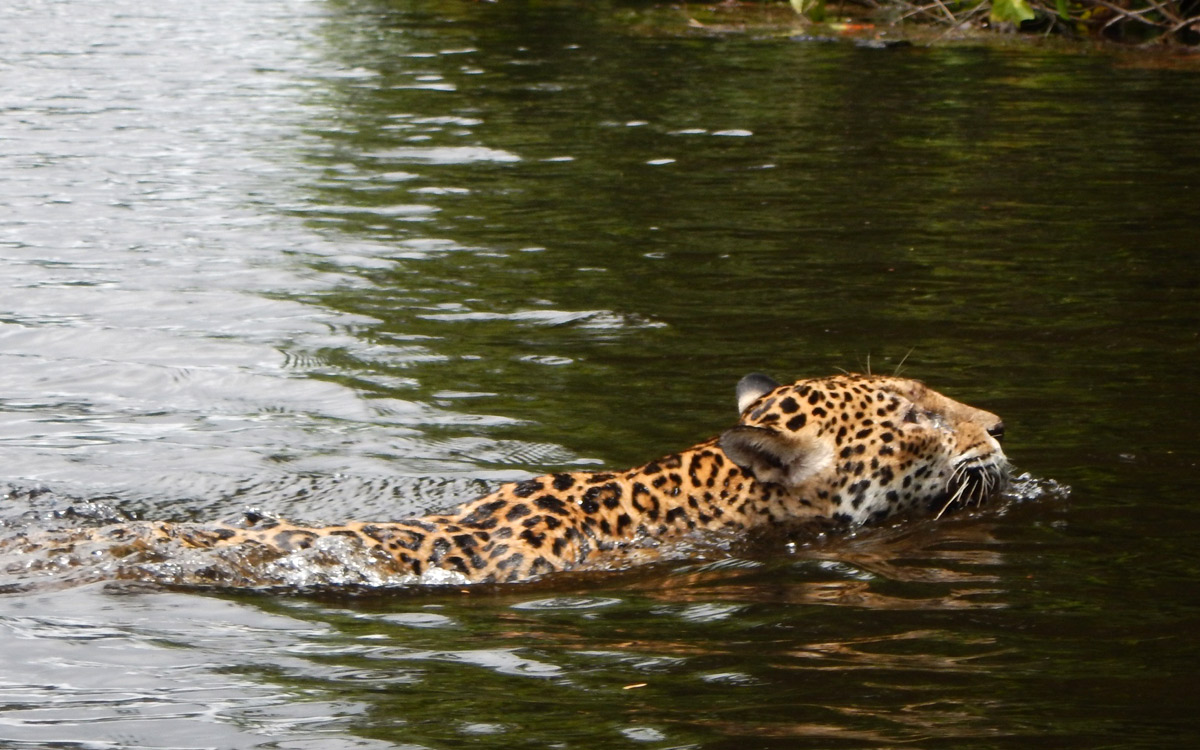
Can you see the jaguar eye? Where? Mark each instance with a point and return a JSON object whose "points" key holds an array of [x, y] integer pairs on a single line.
{"points": [[910, 416]]}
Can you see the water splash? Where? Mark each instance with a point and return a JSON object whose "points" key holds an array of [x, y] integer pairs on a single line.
{"points": [[1025, 488]]}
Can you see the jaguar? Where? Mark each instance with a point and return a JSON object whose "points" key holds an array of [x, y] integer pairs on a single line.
{"points": [[843, 451]]}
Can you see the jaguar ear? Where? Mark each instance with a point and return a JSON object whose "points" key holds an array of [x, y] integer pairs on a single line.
{"points": [[753, 387], [773, 457]]}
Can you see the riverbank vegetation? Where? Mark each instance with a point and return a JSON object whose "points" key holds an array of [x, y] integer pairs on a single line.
{"points": [[1139, 22]]}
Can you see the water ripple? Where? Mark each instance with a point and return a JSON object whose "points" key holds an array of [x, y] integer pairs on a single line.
{"points": [[445, 155]]}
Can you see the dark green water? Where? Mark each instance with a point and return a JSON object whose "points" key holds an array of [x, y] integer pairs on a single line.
{"points": [[362, 259]]}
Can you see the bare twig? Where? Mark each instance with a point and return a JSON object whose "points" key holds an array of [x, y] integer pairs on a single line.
{"points": [[1184, 23], [1139, 15], [1164, 10], [925, 9], [978, 10], [946, 10]]}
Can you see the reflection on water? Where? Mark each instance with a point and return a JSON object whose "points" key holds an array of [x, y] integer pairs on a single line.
{"points": [[365, 258]]}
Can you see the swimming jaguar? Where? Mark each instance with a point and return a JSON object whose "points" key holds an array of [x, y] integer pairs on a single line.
{"points": [[846, 450]]}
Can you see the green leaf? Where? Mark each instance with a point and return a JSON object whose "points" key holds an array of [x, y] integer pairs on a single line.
{"points": [[1064, 11], [814, 10], [1012, 11]]}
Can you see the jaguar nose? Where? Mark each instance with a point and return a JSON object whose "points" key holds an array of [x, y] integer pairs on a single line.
{"points": [[996, 430]]}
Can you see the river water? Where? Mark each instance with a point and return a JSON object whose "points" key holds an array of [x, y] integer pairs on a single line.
{"points": [[363, 259]]}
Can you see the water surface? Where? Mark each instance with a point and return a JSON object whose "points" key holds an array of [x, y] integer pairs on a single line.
{"points": [[366, 259]]}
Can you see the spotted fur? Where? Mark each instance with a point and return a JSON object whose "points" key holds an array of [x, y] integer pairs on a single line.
{"points": [[847, 449]]}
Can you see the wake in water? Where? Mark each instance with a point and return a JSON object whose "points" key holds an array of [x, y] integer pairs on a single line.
{"points": [[330, 563]]}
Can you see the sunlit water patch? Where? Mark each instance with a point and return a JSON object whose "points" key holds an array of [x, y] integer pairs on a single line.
{"points": [[91, 665]]}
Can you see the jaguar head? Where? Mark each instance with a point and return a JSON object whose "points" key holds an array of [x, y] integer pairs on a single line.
{"points": [[867, 446]]}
